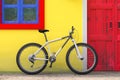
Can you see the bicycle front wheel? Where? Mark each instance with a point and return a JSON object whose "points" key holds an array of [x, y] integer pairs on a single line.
{"points": [[29, 65], [78, 65]]}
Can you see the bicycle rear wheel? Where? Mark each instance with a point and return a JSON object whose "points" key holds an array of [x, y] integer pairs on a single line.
{"points": [[76, 64], [29, 65]]}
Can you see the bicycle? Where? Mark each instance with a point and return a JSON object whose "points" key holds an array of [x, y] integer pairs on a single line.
{"points": [[36, 55]]}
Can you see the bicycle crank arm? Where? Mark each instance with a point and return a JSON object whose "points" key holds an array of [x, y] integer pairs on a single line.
{"points": [[51, 65]]}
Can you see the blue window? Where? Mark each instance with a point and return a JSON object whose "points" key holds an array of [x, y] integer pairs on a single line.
{"points": [[20, 11]]}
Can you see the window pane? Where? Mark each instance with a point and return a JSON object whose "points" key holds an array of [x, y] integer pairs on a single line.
{"points": [[10, 1], [29, 1], [29, 14], [10, 14]]}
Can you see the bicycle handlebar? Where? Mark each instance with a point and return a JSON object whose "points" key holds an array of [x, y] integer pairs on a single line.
{"points": [[73, 29]]}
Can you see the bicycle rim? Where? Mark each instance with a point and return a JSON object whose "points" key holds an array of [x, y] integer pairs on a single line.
{"points": [[82, 66]]}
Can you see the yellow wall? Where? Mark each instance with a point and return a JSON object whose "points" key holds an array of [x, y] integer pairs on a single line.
{"points": [[60, 15]]}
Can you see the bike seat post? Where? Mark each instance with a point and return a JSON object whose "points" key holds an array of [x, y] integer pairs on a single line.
{"points": [[45, 37]]}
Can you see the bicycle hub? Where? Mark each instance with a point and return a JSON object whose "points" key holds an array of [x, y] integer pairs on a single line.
{"points": [[31, 58]]}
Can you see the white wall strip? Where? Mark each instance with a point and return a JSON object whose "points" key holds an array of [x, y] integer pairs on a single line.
{"points": [[84, 27], [84, 3]]}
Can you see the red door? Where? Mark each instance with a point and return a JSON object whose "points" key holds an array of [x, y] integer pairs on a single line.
{"points": [[101, 32], [117, 32]]}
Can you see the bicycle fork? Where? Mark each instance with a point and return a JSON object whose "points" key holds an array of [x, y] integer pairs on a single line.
{"points": [[77, 50]]}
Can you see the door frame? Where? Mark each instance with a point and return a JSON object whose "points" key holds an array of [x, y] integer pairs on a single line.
{"points": [[84, 29], [84, 20]]}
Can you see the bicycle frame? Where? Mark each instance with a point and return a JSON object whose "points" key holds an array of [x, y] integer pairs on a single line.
{"points": [[48, 42], [66, 37]]}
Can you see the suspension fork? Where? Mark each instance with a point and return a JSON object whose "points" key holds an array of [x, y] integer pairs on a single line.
{"points": [[77, 50]]}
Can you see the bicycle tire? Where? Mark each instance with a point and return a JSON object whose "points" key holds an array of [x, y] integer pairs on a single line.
{"points": [[71, 66], [20, 66]]}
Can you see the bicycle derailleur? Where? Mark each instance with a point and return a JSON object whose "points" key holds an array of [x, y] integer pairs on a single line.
{"points": [[31, 59], [52, 59]]}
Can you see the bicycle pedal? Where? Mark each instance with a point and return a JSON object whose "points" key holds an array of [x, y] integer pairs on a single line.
{"points": [[50, 66]]}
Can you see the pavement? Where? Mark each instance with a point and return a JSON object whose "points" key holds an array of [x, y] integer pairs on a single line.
{"points": [[61, 76]]}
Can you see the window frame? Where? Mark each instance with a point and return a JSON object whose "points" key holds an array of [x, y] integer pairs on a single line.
{"points": [[28, 25]]}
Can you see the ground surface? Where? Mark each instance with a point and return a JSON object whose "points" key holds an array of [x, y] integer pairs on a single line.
{"points": [[61, 76]]}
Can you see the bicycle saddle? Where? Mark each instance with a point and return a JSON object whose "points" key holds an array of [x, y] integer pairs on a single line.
{"points": [[42, 31]]}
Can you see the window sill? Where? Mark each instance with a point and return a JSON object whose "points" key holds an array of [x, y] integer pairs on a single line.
{"points": [[21, 26]]}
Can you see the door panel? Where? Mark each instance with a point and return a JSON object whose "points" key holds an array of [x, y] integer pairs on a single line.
{"points": [[110, 59], [96, 35], [118, 38], [100, 32], [110, 1], [118, 1]]}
